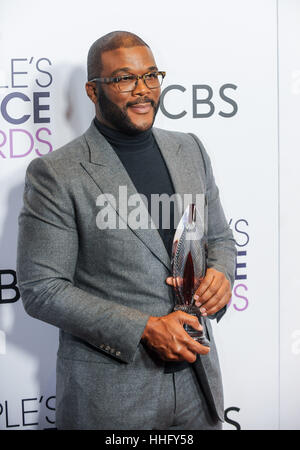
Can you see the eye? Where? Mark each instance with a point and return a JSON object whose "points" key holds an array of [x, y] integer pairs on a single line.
{"points": [[126, 78]]}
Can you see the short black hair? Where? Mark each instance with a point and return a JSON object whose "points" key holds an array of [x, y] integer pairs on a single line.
{"points": [[110, 41]]}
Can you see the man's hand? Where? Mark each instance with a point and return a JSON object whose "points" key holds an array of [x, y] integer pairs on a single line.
{"points": [[213, 293], [166, 336]]}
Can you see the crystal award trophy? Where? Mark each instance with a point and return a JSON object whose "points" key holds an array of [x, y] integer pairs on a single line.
{"points": [[189, 267]]}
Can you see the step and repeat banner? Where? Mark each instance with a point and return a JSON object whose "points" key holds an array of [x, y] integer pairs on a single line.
{"points": [[233, 78]]}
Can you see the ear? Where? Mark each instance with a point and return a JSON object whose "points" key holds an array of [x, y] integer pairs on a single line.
{"points": [[91, 91]]}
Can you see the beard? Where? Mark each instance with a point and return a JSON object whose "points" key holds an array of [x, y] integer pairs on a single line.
{"points": [[118, 117]]}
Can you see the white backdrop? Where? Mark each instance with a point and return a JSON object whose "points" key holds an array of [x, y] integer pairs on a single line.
{"points": [[233, 78]]}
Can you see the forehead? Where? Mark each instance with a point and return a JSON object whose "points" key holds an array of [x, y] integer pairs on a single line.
{"points": [[136, 59]]}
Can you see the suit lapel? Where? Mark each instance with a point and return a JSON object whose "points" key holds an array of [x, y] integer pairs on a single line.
{"points": [[181, 167], [107, 171]]}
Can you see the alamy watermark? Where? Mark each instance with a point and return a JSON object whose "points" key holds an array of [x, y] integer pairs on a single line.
{"points": [[133, 210]]}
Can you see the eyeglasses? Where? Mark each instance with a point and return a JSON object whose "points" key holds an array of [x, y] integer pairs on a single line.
{"points": [[128, 83]]}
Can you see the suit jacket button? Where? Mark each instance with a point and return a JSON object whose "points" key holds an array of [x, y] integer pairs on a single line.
{"points": [[118, 353]]}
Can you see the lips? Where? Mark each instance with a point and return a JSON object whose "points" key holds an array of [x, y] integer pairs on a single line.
{"points": [[141, 108]]}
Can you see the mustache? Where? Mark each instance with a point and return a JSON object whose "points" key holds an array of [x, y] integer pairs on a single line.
{"points": [[141, 100]]}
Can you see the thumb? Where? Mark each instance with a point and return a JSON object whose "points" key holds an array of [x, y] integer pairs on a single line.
{"points": [[191, 320]]}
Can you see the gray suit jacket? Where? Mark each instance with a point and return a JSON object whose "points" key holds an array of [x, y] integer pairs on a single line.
{"points": [[99, 287]]}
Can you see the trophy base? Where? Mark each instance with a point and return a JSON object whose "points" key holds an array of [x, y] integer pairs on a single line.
{"points": [[199, 336]]}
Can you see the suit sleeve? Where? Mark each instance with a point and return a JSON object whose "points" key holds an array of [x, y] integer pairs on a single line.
{"points": [[46, 264], [221, 244]]}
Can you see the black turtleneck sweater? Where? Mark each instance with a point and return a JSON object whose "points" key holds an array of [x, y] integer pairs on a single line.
{"points": [[142, 159]]}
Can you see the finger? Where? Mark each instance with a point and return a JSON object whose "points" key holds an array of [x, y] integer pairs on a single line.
{"points": [[215, 304], [178, 281], [216, 294], [193, 345], [188, 343], [217, 299], [218, 282], [215, 308], [191, 356], [208, 294], [170, 281], [197, 348], [204, 285]]}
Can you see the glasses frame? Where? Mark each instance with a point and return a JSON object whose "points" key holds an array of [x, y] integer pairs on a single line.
{"points": [[116, 80]]}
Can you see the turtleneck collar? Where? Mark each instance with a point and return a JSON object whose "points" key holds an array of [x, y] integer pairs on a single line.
{"points": [[125, 142]]}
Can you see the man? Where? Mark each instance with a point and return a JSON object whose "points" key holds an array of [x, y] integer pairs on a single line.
{"points": [[124, 358]]}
